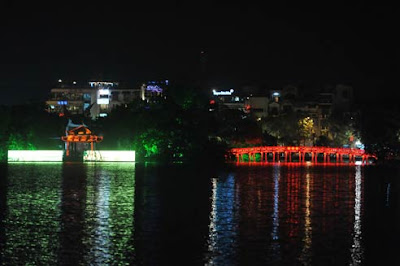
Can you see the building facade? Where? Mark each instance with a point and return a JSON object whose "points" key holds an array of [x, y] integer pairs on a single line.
{"points": [[97, 98]]}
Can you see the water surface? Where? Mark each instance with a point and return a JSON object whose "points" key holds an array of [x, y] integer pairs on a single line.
{"points": [[247, 214]]}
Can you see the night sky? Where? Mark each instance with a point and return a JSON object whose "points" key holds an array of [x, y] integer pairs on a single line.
{"points": [[268, 45]]}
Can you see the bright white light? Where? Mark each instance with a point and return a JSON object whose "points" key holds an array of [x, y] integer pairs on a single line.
{"points": [[103, 101], [276, 94], [102, 114], [35, 156], [74, 82], [59, 80], [109, 156], [357, 251], [104, 92], [359, 145]]}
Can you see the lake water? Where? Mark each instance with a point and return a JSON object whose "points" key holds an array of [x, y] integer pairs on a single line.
{"points": [[148, 214]]}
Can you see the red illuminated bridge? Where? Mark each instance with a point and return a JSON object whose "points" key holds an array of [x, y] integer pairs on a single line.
{"points": [[290, 154]]}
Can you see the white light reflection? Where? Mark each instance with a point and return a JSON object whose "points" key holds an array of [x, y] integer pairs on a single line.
{"points": [[307, 239], [275, 215], [357, 249], [387, 195], [222, 227], [100, 251], [275, 246], [102, 237]]}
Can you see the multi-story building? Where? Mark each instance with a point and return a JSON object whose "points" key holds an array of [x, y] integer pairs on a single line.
{"points": [[97, 98], [227, 99]]}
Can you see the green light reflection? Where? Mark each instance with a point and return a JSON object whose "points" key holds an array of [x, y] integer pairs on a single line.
{"points": [[31, 221], [109, 214]]}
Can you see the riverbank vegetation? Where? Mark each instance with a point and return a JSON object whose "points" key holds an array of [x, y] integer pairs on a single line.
{"points": [[181, 127]]}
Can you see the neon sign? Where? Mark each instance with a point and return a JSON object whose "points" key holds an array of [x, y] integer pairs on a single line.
{"points": [[219, 93], [154, 88]]}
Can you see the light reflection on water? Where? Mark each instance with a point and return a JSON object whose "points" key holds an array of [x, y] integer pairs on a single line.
{"points": [[276, 214], [223, 222], [357, 249]]}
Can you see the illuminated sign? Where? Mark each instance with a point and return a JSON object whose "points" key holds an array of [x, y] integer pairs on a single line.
{"points": [[35, 156], [154, 88], [103, 101], [62, 102], [102, 114], [101, 83], [109, 156], [218, 93]]}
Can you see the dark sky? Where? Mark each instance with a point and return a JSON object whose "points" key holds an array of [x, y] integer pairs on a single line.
{"points": [[272, 45]]}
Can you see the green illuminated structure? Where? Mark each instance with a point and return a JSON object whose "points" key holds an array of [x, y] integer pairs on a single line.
{"points": [[57, 156], [35, 156]]}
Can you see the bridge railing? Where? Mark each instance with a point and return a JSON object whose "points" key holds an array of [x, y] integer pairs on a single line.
{"points": [[287, 151]]}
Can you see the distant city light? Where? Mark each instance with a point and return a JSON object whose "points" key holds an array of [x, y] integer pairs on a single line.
{"points": [[218, 93], [359, 145]]}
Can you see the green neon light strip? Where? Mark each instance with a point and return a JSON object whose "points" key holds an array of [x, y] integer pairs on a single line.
{"points": [[109, 156], [35, 156]]}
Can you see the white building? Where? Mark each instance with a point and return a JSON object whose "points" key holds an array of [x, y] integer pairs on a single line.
{"points": [[95, 99]]}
